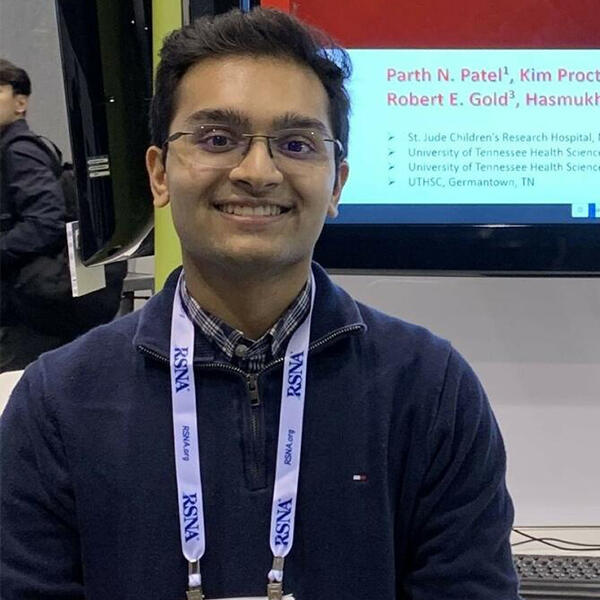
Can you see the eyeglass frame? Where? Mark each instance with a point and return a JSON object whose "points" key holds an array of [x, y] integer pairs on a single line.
{"points": [[178, 134]]}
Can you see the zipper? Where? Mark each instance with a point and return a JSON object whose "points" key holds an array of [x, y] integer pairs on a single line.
{"points": [[225, 367], [252, 387], [214, 365], [324, 341], [318, 344], [251, 380], [154, 355]]}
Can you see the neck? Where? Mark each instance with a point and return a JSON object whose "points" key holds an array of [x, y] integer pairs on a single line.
{"points": [[5, 126], [251, 301]]}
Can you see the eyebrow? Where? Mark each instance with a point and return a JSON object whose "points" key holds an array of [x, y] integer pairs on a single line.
{"points": [[295, 120], [288, 120], [217, 115]]}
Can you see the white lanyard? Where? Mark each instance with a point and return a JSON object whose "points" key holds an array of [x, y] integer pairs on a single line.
{"points": [[187, 458]]}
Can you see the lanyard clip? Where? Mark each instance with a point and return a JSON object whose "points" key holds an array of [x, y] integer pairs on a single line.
{"points": [[275, 590], [194, 582], [275, 585]]}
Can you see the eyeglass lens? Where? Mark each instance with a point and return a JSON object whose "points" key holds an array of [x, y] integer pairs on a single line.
{"points": [[222, 147]]}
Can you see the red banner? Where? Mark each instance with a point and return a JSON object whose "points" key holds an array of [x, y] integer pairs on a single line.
{"points": [[457, 24]]}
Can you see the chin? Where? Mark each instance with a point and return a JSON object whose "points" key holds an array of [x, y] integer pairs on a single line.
{"points": [[259, 261]]}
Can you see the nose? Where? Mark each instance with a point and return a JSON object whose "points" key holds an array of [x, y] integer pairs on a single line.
{"points": [[257, 170]]}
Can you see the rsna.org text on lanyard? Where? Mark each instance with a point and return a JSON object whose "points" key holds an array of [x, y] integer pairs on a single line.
{"points": [[187, 457]]}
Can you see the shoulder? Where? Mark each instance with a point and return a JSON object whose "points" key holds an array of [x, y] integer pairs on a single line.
{"points": [[26, 146], [398, 340], [104, 367], [425, 370], [426, 373], [110, 350], [105, 352], [114, 351], [381, 337], [113, 339]]}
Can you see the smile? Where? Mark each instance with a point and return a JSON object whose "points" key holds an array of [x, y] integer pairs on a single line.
{"points": [[264, 210]]}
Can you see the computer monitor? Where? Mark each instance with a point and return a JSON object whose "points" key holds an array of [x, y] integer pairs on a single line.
{"points": [[467, 158]]}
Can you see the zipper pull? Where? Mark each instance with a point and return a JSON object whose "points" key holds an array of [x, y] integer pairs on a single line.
{"points": [[252, 383]]}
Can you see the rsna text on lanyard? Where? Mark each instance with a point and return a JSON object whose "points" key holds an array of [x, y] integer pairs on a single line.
{"points": [[187, 457]]}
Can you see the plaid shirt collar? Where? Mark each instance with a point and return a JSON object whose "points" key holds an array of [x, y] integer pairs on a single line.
{"points": [[252, 355]]}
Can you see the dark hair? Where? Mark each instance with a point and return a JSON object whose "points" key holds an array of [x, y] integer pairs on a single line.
{"points": [[261, 32], [13, 75]]}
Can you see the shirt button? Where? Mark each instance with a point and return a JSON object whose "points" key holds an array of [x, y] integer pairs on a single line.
{"points": [[241, 350]]}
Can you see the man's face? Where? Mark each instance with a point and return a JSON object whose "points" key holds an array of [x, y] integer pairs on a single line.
{"points": [[257, 93], [12, 106]]}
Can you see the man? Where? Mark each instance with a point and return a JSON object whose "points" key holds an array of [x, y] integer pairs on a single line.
{"points": [[32, 215], [38, 312], [131, 474]]}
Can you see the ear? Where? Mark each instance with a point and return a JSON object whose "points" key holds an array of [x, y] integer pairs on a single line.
{"points": [[21, 104], [340, 181], [157, 175]]}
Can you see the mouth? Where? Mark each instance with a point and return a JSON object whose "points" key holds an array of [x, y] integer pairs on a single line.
{"points": [[252, 210]]}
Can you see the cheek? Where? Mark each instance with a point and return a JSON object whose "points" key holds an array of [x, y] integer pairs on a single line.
{"points": [[190, 192], [316, 190]]}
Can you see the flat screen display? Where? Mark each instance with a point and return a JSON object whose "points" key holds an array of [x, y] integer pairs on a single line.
{"points": [[474, 137], [455, 136]]}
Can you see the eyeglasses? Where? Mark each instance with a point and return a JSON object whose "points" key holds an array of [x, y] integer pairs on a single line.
{"points": [[221, 147]]}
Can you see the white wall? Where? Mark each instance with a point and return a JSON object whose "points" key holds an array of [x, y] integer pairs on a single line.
{"points": [[29, 39], [535, 344]]}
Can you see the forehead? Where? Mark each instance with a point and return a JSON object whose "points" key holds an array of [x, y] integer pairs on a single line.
{"points": [[261, 89]]}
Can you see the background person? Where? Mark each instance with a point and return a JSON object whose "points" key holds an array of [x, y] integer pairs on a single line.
{"points": [[38, 312], [32, 215]]}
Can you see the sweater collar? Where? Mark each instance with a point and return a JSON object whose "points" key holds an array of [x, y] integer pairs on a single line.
{"points": [[334, 312]]}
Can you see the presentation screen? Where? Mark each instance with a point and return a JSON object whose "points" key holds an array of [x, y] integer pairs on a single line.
{"points": [[469, 136], [474, 137]]}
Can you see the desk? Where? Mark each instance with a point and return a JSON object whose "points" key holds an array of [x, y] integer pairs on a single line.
{"points": [[132, 283], [547, 572]]}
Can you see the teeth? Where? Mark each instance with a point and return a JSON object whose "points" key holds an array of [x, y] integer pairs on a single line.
{"points": [[268, 210]]}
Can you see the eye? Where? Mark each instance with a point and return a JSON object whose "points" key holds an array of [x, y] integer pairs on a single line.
{"points": [[215, 140], [295, 145]]}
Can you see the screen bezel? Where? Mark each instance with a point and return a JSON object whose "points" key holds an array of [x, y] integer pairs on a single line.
{"points": [[506, 250], [469, 249]]}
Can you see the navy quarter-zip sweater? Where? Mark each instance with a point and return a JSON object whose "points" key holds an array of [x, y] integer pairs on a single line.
{"points": [[89, 499]]}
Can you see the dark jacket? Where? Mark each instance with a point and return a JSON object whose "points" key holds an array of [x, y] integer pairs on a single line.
{"points": [[89, 492], [33, 239], [32, 207]]}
